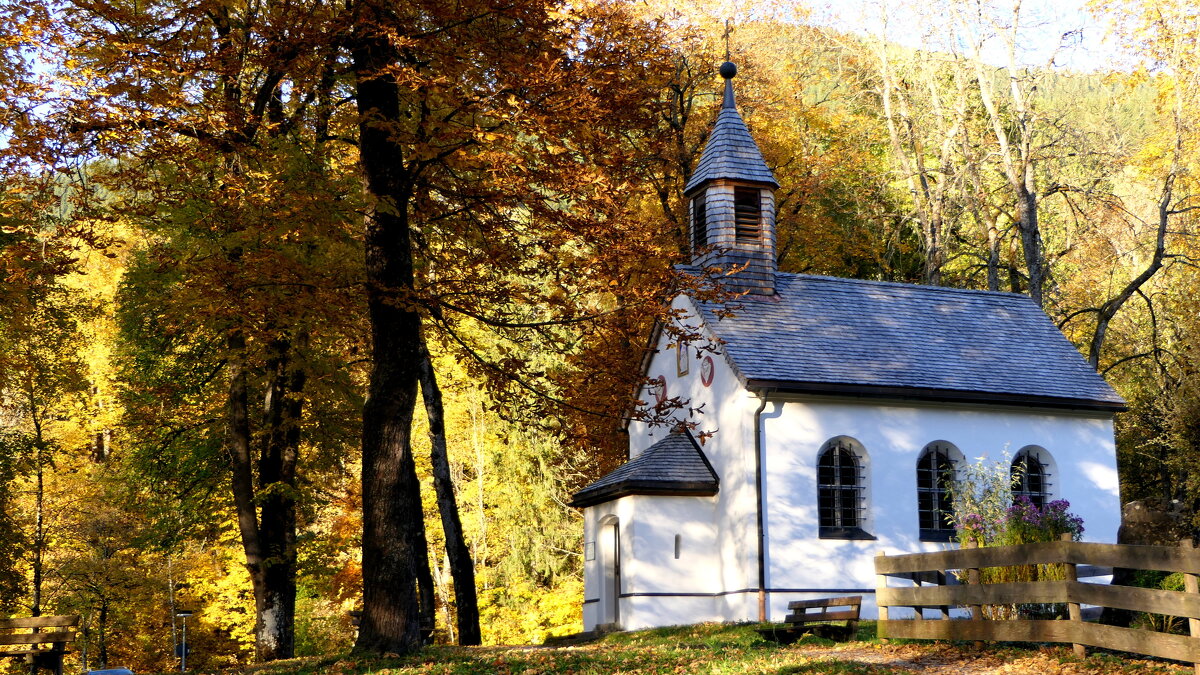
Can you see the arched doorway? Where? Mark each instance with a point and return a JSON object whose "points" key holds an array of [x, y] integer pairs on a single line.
{"points": [[610, 558]]}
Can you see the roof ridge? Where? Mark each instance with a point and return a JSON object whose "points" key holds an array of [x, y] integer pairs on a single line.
{"points": [[906, 284], [886, 338]]}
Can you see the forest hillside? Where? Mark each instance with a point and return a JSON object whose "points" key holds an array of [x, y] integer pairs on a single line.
{"points": [[314, 314]]}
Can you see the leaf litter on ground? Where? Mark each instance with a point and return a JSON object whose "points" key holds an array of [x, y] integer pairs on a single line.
{"points": [[736, 649]]}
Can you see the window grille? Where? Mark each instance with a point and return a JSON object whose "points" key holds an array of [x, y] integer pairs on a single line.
{"points": [[934, 505], [699, 224], [840, 500], [747, 212], [1030, 478]]}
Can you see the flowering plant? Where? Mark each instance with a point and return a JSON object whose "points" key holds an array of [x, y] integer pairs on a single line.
{"points": [[987, 514], [1025, 522]]}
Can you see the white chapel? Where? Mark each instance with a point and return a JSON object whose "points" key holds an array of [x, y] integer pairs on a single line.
{"points": [[833, 406]]}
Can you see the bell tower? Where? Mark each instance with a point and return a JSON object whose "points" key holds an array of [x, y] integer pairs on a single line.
{"points": [[731, 202]]}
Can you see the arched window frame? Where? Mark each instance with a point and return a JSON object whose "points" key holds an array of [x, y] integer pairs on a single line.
{"points": [[842, 509], [1031, 471], [937, 464]]}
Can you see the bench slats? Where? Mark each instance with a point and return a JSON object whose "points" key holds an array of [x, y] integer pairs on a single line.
{"points": [[68, 621], [850, 601], [827, 609], [844, 615], [37, 638]]}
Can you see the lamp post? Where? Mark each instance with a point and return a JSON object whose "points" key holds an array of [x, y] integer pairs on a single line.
{"points": [[183, 647]]}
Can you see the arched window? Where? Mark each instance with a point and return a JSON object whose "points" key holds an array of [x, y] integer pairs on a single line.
{"points": [[1031, 476], [841, 501], [935, 469]]}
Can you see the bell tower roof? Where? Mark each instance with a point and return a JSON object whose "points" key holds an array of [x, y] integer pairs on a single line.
{"points": [[730, 152]]}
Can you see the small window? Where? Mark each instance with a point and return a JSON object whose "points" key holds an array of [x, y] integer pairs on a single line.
{"points": [[1030, 477], [840, 499], [935, 510], [747, 211], [699, 224]]}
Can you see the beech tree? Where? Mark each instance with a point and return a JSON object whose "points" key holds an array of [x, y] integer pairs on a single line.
{"points": [[194, 105], [42, 376], [1020, 133], [1161, 36], [486, 143]]}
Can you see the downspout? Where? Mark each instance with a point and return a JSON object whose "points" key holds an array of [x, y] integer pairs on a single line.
{"points": [[758, 494]]}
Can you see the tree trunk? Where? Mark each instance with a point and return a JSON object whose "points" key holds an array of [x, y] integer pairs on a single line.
{"points": [[39, 528], [426, 588], [461, 568], [269, 540], [1110, 308], [933, 252], [1031, 237], [237, 442], [283, 408], [993, 260], [392, 518], [103, 621], [39, 538]]}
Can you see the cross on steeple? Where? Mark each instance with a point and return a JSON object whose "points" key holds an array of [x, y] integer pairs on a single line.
{"points": [[726, 34]]}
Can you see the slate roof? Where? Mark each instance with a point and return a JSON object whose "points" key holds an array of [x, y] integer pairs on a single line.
{"points": [[673, 466], [855, 337], [730, 152]]}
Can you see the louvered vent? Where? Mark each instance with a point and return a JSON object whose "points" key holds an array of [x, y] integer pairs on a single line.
{"points": [[747, 214]]}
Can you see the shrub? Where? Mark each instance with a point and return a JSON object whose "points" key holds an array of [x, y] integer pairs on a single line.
{"points": [[986, 513], [982, 494]]}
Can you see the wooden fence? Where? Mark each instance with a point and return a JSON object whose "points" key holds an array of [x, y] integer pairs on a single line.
{"points": [[935, 576]]}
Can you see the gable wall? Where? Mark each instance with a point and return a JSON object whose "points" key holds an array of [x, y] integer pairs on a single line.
{"points": [[893, 434], [728, 410], [648, 528]]}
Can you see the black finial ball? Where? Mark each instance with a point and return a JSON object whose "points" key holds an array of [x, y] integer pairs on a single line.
{"points": [[728, 70]]}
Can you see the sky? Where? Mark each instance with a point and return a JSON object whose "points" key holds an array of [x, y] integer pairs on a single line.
{"points": [[1062, 30]]}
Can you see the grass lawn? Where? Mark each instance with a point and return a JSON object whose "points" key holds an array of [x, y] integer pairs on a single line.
{"points": [[721, 648]]}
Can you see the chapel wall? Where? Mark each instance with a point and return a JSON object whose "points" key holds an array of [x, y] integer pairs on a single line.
{"points": [[893, 436]]}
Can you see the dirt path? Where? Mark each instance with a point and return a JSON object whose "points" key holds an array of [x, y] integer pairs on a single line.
{"points": [[949, 660]]}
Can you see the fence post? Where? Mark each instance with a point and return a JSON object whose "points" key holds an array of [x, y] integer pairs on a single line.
{"points": [[974, 580], [1191, 586], [881, 582], [1073, 612], [941, 581]]}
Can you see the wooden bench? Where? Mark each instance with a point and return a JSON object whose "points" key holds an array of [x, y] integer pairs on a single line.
{"points": [[427, 626], [811, 616], [42, 640]]}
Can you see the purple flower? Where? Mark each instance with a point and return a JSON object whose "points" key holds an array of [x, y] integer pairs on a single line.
{"points": [[972, 521]]}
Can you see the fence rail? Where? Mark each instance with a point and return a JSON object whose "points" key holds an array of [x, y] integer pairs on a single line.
{"points": [[942, 569]]}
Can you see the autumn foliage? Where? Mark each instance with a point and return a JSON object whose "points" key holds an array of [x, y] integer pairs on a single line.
{"points": [[231, 233]]}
